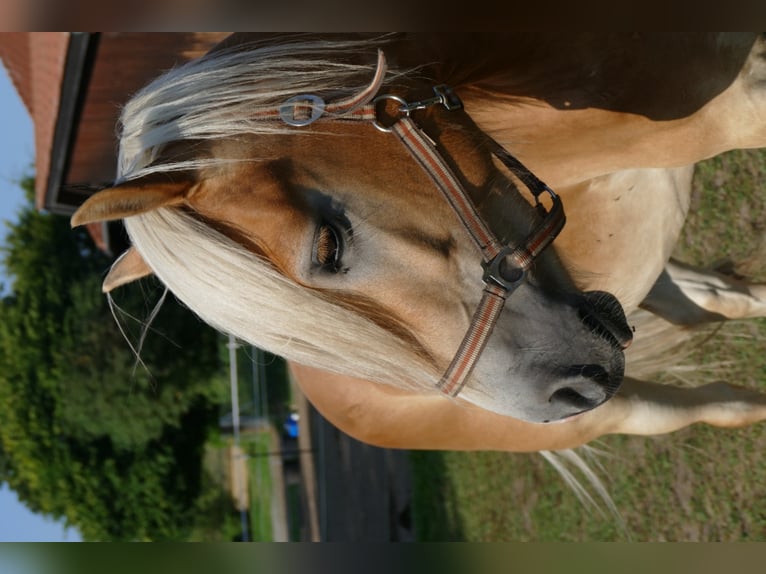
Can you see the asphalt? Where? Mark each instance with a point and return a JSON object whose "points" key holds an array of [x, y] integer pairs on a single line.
{"points": [[355, 492]]}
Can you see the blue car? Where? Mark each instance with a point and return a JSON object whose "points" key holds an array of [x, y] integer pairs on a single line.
{"points": [[291, 425]]}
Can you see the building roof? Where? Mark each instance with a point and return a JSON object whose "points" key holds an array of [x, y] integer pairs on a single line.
{"points": [[73, 85], [35, 64]]}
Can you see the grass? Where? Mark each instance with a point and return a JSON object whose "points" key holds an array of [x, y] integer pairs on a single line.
{"points": [[222, 522], [696, 484], [260, 484]]}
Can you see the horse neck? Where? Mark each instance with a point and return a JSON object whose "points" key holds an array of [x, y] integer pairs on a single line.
{"points": [[609, 71], [576, 106]]}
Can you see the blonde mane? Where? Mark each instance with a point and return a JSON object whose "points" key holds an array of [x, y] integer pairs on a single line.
{"points": [[218, 95]]}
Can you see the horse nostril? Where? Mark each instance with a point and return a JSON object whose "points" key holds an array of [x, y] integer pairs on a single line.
{"points": [[572, 398], [596, 373], [602, 313], [584, 387]]}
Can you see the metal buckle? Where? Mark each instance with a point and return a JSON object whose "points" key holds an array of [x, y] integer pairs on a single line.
{"points": [[449, 99], [493, 273], [288, 109], [443, 95]]}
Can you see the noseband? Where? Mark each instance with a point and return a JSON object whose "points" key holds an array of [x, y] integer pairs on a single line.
{"points": [[505, 266]]}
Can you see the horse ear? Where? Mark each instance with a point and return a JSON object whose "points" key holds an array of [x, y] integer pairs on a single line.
{"points": [[132, 198], [129, 267]]}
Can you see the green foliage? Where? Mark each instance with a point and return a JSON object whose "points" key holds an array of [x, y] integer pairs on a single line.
{"points": [[87, 434]]}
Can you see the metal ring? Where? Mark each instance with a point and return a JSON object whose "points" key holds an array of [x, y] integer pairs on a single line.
{"points": [[376, 121]]}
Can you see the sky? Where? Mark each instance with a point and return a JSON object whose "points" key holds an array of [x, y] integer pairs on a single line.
{"points": [[17, 524]]}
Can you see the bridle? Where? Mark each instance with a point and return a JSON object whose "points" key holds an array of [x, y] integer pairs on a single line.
{"points": [[505, 266]]}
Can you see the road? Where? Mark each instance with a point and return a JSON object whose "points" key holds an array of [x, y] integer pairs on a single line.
{"points": [[360, 493]]}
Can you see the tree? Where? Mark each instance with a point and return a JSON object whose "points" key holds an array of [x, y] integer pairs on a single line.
{"points": [[85, 434]]}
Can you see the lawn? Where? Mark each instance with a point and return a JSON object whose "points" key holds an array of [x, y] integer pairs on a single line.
{"points": [[696, 484], [257, 445]]}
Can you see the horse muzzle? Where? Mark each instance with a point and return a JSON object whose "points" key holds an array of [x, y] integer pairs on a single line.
{"points": [[560, 358], [583, 386]]}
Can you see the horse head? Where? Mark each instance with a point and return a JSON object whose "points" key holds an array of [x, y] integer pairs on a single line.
{"points": [[327, 242]]}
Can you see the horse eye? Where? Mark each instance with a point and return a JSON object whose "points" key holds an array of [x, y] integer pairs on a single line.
{"points": [[328, 248]]}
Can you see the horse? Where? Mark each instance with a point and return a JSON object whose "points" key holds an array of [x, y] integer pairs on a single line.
{"points": [[458, 242]]}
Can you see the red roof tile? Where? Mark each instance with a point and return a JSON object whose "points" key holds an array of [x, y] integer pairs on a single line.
{"points": [[36, 64]]}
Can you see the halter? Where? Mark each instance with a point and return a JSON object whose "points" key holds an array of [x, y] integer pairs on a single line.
{"points": [[505, 266]]}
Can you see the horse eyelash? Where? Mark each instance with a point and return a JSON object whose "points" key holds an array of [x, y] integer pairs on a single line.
{"points": [[328, 248], [322, 244]]}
